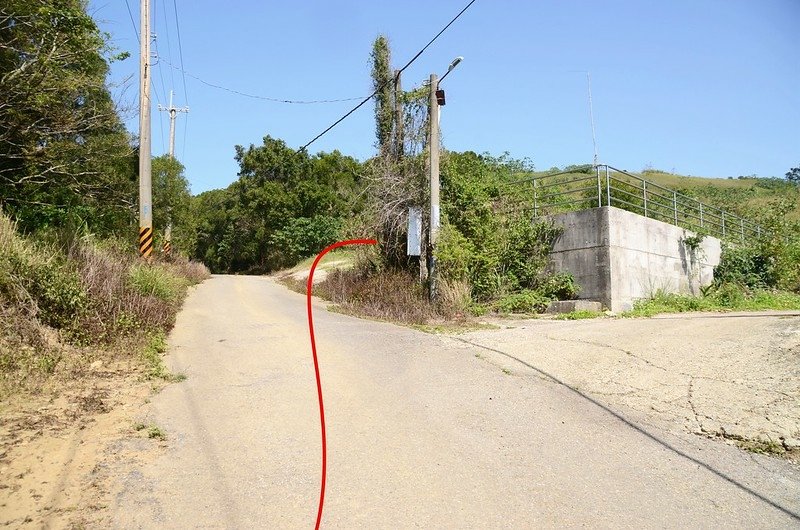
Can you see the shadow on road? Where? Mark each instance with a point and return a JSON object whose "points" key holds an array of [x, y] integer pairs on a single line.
{"points": [[639, 429]]}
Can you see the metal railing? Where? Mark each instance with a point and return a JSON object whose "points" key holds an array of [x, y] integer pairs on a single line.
{"points": [[610, 186]]}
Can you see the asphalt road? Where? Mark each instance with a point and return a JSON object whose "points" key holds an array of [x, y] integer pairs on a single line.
{"points": [[422, 433]]}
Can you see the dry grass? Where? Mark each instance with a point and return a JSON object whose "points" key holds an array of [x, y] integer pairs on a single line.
{"points": [[61, 309], [455, 298], [390, 295], [193, 271], [117, 309]]}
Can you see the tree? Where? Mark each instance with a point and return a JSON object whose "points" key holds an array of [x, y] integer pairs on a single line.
{"points": [[793, 175], [284, 206], [384, 101], [63, 148], [172, 202]]}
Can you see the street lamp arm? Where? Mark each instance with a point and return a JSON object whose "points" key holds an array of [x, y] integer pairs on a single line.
{"points": [[451, 68]]}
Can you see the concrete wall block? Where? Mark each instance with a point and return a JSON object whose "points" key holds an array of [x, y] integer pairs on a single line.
{"points": [[583, 229], [618, 257]]}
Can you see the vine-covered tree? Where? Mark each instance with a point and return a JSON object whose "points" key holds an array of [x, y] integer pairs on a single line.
{"points": [[384, 98]]}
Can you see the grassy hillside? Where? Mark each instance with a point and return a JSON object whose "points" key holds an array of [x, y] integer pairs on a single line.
{"points": [[748, 197]]}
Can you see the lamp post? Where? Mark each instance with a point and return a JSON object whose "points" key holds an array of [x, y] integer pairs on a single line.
{"points": [[436, 99]]}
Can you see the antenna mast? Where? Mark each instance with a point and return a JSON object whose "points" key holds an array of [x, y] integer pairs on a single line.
{"points": [[591, 117]]}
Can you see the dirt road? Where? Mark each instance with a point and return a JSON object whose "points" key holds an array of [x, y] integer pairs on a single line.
{"points": [[424, 431]]}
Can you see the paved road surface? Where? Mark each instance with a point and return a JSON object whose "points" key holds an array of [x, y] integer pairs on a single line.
{"points": [[421, 434]]}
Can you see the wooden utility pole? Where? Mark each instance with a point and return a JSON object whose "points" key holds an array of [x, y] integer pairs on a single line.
{"points": [[433, 150], [145, 177]]}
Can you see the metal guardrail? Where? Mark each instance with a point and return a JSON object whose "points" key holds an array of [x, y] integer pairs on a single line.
{"points": [[610, 186]]}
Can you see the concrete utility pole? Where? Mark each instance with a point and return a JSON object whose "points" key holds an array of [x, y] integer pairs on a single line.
{"points": [[436, 99], [433, 151], [173, 113], [145, 177]]}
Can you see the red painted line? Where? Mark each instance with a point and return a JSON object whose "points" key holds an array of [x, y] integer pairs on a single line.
{"points": [[309, 284]]}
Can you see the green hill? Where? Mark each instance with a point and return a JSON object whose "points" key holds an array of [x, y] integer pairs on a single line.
{"points": [[748, 197]]}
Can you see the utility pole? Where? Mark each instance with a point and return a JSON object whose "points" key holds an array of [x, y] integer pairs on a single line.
{"points": [[436, 99], [433, 149], [173, 113], [145, 177]]}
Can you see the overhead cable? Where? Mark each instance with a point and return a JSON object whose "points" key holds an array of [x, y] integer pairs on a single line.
{"points": [[378, 89]]}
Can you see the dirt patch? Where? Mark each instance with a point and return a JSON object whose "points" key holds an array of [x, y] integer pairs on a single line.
{"points": [[57, 447]]}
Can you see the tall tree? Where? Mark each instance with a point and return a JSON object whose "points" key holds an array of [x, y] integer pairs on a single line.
{"points": [[172, 202], [284, 205], [384, 101], [63, 148]]}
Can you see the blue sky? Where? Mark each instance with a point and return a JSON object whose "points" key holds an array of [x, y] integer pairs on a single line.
{"points": [[701, 87]]}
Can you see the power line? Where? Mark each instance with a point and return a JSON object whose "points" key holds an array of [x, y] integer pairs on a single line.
{"points": [[152, 82], [180, 51], [169, 47], [351, 111], [161, 76], [264, 98], [130, 14]]}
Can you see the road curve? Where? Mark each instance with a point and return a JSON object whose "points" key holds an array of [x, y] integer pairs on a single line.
{"points": [[422, 433]]}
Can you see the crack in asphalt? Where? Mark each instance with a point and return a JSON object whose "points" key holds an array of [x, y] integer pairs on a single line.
{"points": [[690, 399], [662, 368]]}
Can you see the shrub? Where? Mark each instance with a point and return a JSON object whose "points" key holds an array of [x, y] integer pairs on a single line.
{"points": [[57, 292], [525, 248], [155, 280], [510, 259], [303, 237], [558, 286], [745, 265], [525, 301], [37, 280]]}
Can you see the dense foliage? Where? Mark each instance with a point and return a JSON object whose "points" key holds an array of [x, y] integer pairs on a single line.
{"points": [[771, 261], [71, 284], [65, 156], [285, 206], [485, 242]]}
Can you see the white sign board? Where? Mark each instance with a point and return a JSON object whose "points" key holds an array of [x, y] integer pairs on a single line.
{"points": [[414, 242]]}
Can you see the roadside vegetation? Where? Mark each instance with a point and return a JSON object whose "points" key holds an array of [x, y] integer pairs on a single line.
{"points": [[490, 257], [763, 273], [69, 302], [73, 292]]}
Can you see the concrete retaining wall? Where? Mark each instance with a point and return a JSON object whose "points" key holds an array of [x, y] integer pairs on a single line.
{"points": [[618, 257]]}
